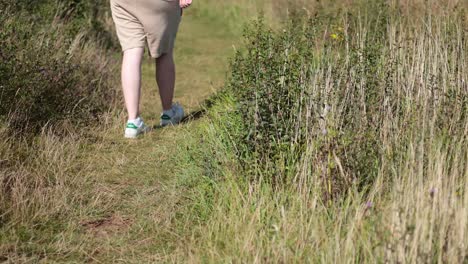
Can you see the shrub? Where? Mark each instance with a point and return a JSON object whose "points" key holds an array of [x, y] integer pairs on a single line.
{"points": [[338, 95], [56, 78], [51, 69], [351, 131]]}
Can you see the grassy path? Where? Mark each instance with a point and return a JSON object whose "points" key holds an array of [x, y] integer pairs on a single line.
{"points": [[136, 177]]}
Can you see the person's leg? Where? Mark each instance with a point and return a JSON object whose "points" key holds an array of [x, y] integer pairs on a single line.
{"points": [[165, 77], [131, 80]]}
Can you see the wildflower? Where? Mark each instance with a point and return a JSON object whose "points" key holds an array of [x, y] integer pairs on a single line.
{"points": [[326, 109], [369, 205], [334, 36], [324, 132]]}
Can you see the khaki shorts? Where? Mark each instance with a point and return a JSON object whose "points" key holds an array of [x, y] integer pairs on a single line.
{"points": [[152, 22]]}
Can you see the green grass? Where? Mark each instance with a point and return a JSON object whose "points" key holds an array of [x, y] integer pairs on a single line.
{"points": [[119, 200], [196, 194], [375, 178]]}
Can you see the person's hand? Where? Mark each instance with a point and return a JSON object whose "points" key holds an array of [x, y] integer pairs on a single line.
{"points": [[185, 3]]}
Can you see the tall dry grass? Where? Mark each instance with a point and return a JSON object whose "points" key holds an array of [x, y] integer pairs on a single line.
{"points": [[418, 218], [39, 181], [56, 82], [351, 135]]}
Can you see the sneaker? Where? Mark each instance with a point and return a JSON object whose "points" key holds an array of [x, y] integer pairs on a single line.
{"points": [[173, 116], [135, 128]]}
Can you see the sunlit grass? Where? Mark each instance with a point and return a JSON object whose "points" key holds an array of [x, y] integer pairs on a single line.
{"points": [[196, 194]]}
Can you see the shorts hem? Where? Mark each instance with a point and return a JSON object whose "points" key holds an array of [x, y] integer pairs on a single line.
{"points": [[132, 47], [156, 55]]}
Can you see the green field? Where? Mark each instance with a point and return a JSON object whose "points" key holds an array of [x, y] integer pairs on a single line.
{"points": [[319, 132]]}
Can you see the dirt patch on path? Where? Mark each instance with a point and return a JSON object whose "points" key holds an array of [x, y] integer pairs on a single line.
{"points": [[107, 226]]}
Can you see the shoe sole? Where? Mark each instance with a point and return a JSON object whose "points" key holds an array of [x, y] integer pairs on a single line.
{"points": [[170, 124], [144, 131]]}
